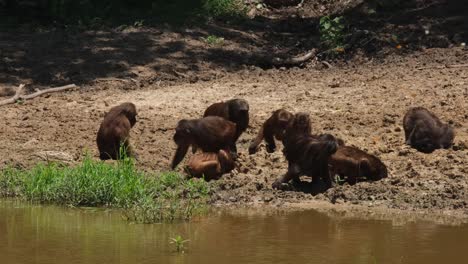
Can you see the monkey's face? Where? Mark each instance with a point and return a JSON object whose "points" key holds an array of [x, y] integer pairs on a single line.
{"points": [[183, 133], [132, 120], [225, 160], [379, 171], [239, 109], [447, 136], [301, 123], [180, 137], [423, 141], [130, 112]]}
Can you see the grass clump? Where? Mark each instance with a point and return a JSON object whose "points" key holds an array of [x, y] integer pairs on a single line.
{"points": [[223, 8], [213, 40], [144, 197]]}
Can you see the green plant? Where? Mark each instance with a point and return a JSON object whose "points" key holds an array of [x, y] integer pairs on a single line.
{"points": [[144, 197], [219, 8], [332, 32], [213, 40], [179, 243]]}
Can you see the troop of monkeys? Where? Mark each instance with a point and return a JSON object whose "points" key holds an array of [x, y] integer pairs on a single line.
{"points": [[318, 156]]}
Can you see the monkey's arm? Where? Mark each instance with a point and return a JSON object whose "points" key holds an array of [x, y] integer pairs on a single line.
{"points": [[254, 145], [268, 133], [409, 138], [179, 155], [292, 173]]}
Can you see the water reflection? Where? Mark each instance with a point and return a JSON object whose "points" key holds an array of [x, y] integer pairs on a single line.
{"points": [[47, 234]]}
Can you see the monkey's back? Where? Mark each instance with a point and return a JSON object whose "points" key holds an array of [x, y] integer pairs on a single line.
{"points": [[214, 133], [113, 131]]}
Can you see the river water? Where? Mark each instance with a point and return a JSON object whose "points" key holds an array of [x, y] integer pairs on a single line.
{"points": [[49, 234]]}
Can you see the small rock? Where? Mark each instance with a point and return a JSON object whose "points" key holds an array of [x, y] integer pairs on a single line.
{"points": [[388, 119], [267, 199], [232, 199]]}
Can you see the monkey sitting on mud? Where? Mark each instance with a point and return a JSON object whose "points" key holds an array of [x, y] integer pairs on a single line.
{"points": [[210, 166], [353, 163], [234, 110], [306, 154], [114, 132], [274, 127], [425, 132], [211, 134]]}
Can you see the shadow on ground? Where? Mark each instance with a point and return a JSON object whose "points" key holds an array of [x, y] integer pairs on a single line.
{"points": [[168, 54]]}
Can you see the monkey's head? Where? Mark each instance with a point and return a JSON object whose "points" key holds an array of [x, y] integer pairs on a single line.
{"points": [[129, 111], [446, 136], [226, 161], [373, 169], [331, 144], [283, 119], [423, 140], [238, 109], [301, 124], [183, 132]]}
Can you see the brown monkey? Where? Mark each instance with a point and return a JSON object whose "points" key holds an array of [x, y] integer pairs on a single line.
{"points": [[274, 127], [210, 165], [306, 154], [235, 110], [211, 134], [425, 132], [353, 163], [115, 132]]}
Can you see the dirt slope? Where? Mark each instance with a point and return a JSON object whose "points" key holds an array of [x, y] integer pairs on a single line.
{"points": [[362, 104]]}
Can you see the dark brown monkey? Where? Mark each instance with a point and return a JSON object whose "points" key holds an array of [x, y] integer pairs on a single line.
{"points": [[115, 132], [211, 134], [306, 154], [211, 165], [235, 110], [425, 132], [274, 127], [353, 163]]}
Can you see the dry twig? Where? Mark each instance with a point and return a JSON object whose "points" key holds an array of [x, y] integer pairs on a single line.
{"points": [[294, 60], [18, 95]]}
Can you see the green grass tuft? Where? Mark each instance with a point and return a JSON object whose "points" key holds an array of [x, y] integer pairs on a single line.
{"points": [[144, 197]]}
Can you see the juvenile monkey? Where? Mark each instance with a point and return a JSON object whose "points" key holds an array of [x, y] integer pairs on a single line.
{"points": [[274, 127], [114, 132], [210, 166], [353, 163], [234, 110], [211, 134], [306, 154], [425, 132]]}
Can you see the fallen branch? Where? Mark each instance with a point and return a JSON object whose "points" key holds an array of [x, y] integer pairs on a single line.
{"points": [[15, 97], [294, 60], [18, 95], [444, 66]]}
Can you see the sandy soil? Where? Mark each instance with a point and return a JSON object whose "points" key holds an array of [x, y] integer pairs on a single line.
{"points": [[364, 105]]}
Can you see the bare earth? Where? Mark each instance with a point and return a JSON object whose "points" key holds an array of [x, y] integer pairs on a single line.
{"points": [[363, 104]]}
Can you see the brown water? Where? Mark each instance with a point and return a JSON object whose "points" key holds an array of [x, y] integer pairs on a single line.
{"points": [[47, 234]]}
